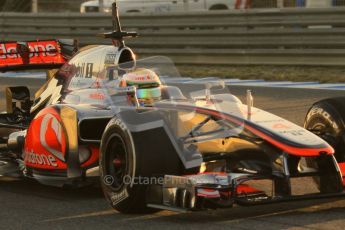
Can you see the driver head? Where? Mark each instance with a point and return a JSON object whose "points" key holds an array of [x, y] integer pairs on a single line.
{"points": [[147, 84]]}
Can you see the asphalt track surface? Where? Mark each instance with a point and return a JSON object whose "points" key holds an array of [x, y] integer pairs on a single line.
{"points": [[28, 205]]}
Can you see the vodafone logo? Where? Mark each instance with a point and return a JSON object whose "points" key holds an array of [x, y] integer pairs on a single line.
{"points": [[40, 159], [38, 50]]}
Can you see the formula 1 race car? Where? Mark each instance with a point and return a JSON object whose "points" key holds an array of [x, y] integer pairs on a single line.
{"points": [[153, 144]]}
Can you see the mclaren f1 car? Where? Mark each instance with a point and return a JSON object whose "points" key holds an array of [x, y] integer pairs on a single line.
{"points": [[104, 115]]}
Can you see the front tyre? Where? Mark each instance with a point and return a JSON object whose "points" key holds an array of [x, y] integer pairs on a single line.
{"points": [[133, 164], [118, 167], [326, 119]]}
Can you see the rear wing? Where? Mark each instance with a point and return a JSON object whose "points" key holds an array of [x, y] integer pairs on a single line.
{"points": [[45, 54]]}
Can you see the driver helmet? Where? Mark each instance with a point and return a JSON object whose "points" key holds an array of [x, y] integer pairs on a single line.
{"points": [[147, 83]]}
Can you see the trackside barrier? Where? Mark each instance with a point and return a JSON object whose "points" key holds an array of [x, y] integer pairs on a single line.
{"points": [[238, 37]]}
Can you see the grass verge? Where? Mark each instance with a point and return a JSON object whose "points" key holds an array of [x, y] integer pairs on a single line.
{"points": [[329, 74]]}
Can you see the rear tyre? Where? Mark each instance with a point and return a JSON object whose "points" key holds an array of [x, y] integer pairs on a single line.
{"points": [[326, 119]]}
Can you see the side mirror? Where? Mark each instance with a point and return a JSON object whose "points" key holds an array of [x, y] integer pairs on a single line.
{"points": [[213, 85]]}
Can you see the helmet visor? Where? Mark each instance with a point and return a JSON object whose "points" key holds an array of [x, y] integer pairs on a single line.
{"points": [[148, 93]]}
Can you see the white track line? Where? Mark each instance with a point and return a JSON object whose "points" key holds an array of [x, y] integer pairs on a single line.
{"points": [[189, 80]]}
